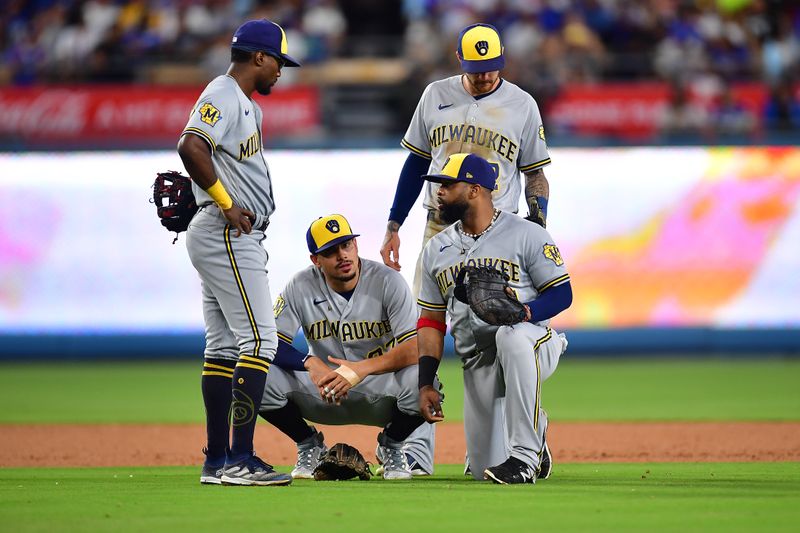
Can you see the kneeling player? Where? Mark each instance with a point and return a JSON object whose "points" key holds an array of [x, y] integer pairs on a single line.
{"points": [[359, 319]]}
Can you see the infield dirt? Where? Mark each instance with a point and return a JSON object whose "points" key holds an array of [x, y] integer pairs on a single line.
{"points": [[89, 445]]}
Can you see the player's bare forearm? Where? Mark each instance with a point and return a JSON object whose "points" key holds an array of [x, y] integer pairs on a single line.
{"points": [[390, 249], [196, 156], [430, 341], [536, 184], [399, 357]]}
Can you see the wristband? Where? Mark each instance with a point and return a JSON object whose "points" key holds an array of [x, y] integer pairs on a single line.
{"points": [[430, 323], [218, 193], [541, 201], [349, 374], [427, 370]]}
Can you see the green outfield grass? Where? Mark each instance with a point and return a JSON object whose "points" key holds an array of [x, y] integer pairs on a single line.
{"points": [[585, 497], [581, 389]]}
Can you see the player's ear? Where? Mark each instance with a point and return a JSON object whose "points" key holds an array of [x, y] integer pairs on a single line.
{"points": [[259, 57], [314, 260]]}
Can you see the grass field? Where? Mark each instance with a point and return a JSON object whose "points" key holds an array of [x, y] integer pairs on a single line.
{"points": [[579, 497], [580, 390]]}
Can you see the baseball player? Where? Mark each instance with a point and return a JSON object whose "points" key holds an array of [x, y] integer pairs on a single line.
{"points": [[477, 112], [360, 322], [221, 148], [504, 367]]}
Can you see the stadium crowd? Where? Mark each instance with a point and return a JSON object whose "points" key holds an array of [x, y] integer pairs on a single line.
{"points": [[549, 43]]}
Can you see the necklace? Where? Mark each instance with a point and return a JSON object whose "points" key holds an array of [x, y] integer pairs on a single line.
{"points": [[476, 235]]}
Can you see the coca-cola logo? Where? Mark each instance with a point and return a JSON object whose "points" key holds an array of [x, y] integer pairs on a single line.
{"points": [[49, 113]]}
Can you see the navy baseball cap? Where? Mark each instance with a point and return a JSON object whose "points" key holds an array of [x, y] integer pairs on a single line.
{"points": [[480, 49], [265, 36], [327, 232], [469, 168]]}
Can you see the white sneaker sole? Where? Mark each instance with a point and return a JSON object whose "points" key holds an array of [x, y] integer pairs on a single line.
{"points": [[249, 482]]}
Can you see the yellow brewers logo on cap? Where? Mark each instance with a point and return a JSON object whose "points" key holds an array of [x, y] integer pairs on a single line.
{"points": [[480, 42], [326, 232]]}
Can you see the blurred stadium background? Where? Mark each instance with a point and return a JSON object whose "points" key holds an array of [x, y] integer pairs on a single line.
{"points": [[674, 129]]}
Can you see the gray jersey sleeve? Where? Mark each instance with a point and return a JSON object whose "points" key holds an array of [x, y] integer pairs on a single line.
{"points": [[400, 307], [213, 116], [533, 152], [287, 318], [544, 263], [430, 297], [416, 138]]}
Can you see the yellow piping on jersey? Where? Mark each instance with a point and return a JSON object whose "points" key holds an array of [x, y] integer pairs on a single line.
{"points": [[407, 145], [556, 281], [239, 283], [285, 338], [406, 336], [431, 306], [534, 166], [536, 346], [200, 133]]}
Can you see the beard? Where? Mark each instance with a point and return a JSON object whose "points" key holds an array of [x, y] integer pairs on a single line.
{"points": [[264, 89], [346, 277], [453, 212]]}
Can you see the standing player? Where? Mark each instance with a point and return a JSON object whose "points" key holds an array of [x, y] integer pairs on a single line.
{"points": [[504, 367], [476, 112], [358, 316], [221, 148]]}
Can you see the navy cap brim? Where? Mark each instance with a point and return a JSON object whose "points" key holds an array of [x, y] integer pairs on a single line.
{"points": [[484, 65], [439, 178], [334, 242], [287, 59]]}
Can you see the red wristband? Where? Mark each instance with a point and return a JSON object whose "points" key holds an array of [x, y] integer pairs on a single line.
{"points": [[431, 323]]}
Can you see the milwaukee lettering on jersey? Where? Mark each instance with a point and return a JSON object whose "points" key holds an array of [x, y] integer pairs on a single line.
{"points": [[347, 331], [476, 135], [249, 147], [446, 278]]}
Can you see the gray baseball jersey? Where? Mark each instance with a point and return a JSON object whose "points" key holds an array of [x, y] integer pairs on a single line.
{"points": [[237, 306], [523, 250], [230, 123], [503, 126], [379, 314], [503, 366]]}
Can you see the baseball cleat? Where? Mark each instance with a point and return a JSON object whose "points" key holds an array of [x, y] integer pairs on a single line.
{"points": [[511, 472], [212, 470], [395, 463], [545, 463], [413, 464], [308, 455], [253, 471]]}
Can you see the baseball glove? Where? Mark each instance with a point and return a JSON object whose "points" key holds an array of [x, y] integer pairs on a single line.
{"points": [[175, 202], [341, 462], [487, 293]]}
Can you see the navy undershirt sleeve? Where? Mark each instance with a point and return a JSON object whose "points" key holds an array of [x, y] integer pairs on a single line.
{"points": [[408, 187], [288, 357], [551, 302]]}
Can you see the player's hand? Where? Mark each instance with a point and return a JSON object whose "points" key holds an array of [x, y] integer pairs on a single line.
{"points": [[317, 369], [430, 404], [240, 218], [336, 385], [390, 250]]}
